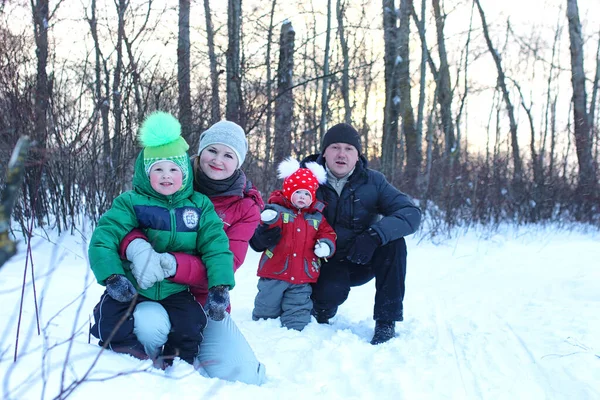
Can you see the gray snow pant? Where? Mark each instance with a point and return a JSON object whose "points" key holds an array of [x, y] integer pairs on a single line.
{"points": [[282, 299]]}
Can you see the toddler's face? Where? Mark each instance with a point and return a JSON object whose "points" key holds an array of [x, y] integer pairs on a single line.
{"points": [[166, 177], [301, 198], [218, 161]]}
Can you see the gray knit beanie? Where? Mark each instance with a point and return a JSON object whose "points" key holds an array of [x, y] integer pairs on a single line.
{"points": [[229, 134]]}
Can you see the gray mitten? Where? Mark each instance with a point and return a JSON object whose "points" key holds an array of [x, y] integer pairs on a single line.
{"points": [[145, 263], [119, 288], [217, 302]]}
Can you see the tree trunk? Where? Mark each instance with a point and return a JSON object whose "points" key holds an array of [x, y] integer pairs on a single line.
{"points": [[413, 139], [215, 106], [183, 70], [340, 8], [102, 102], [391, 111], [325, 87], [284, 103], [518, 165], [587, 179], [41, 102], [117, 141], [422, 74], [233, 110], [268, 170], [596, 83], [40, 20], [445, 89]]}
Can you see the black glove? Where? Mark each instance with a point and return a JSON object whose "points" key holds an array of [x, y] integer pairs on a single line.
{"points": [[119, 288], [364, 246], [265, 237], [217, 302]]}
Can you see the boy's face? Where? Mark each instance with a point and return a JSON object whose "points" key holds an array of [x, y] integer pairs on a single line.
{"points": [[218, 161], [166, 177], [301, 198]]}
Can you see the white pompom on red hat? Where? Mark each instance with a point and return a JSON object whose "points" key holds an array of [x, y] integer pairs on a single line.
{"points": [[296, 178]]}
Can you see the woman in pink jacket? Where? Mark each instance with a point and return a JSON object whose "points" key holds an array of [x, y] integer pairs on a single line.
{"points": [[224, 352]]}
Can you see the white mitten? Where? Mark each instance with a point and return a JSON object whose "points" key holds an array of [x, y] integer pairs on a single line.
{"points": [[322, 250], [145, 263], [168, 262], [268, 215]]}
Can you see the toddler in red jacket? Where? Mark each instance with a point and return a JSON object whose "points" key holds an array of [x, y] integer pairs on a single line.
{"points": [[287, 269]]}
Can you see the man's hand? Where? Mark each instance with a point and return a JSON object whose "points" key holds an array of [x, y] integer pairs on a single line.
{"points": [[364, 246], [145, 263], [119, 288], [265, 237], [217, 302]]}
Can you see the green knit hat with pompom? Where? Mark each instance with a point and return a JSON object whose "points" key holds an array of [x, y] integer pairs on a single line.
{"points": [[160, 135]]}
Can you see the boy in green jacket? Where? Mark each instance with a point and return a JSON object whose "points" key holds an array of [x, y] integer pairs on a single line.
{"points": [[175, 219]]}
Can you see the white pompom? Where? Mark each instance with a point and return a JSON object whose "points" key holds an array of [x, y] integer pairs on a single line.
{"points": [[318, 171], [287, 167]]}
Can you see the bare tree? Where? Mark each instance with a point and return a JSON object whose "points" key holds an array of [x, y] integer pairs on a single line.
{"points": [[587, 178], [118, 140], [234, 86], [215, 107], [183, 69], [517, 163], [413, 139], [444, 88], [323, 123], [41, 22], [340, 9], [268, 171], [392, 94], [100, 69], [284, 103]]}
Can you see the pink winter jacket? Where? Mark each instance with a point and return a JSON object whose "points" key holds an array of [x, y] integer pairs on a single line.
{"points": [[240, 216]]}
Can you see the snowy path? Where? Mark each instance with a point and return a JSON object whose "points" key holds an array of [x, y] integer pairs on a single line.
{"points": [[515, 316]]}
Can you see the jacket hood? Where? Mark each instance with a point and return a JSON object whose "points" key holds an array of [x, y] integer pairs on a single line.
{"points": [[141, 183], [252, 192]]}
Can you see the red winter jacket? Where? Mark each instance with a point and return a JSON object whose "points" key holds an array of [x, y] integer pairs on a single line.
{"points": [[293, 258], [240, 215]]}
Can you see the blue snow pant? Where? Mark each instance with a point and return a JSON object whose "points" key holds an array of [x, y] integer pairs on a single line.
{"points": [[289, 301], [388, 267], [187, 323]]}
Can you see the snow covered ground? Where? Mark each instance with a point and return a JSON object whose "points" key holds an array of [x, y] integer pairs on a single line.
{"points": [[514, 315]]}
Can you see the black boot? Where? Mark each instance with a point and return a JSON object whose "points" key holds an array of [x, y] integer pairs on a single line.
{"points": [[384, 331], [320, 317]]}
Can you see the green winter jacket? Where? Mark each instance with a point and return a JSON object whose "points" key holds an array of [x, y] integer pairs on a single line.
{"points": [[183, 222]]}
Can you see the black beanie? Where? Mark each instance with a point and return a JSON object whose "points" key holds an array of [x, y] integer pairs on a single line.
{"points": [[341, 133]]}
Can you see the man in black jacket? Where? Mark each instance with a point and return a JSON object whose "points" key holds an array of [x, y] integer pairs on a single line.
{"points": [[371, 218]]}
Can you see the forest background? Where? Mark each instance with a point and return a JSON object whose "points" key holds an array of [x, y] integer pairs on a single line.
{"points": [[486, 112]]}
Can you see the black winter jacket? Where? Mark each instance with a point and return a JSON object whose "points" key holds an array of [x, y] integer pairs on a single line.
{"points": [[367, 200]]}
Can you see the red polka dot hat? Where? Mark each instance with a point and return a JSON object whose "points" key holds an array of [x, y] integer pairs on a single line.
{"points": [[296, 178]]}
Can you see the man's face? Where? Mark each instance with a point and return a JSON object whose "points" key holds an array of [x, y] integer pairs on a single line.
{"points": [[340, 158]]}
